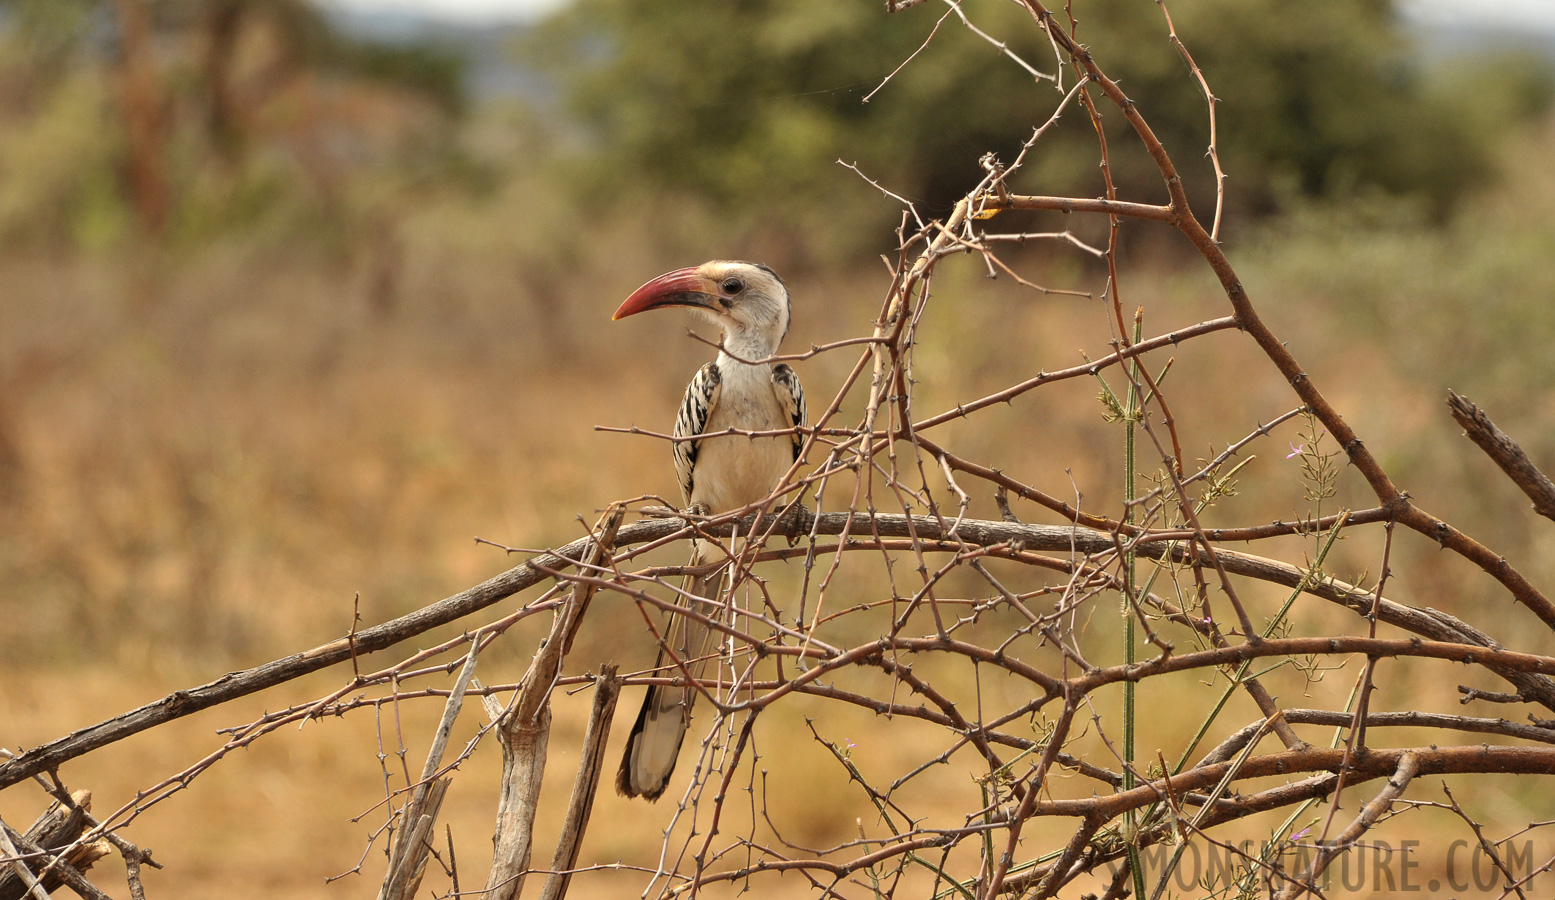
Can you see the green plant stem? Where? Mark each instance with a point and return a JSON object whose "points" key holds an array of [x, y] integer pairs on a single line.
{"points": [[1131, 413]]}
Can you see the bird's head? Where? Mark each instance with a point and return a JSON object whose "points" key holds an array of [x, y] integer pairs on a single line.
{"points": [[746, 300]]}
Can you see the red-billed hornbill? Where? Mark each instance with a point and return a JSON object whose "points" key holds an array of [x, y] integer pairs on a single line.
{"points": [[739, 391]]}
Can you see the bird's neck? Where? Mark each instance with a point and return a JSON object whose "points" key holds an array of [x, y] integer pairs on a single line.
{"points": [[745, 346]]}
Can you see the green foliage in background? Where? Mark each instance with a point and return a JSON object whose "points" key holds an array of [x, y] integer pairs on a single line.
{"points": [[1320, 102], [269, 119], [52, 33], [749, 104], [725, 117]]}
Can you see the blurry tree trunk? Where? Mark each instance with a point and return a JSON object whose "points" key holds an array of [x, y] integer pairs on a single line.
{"points": [[546, 292], [386, 251], [12, 477], [223, 117], [141, 108]]}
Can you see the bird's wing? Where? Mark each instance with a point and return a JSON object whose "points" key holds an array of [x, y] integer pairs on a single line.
{"points": [[791, 397], [701, 397]]}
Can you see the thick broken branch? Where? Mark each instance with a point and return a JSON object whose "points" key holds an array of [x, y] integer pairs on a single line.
{"points": [[410, 859], [591, 762], [56, 830], [1506, 453], [524, 730]]}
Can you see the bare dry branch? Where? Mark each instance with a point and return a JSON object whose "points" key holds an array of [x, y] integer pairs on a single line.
{"points": [[1505, 453]]}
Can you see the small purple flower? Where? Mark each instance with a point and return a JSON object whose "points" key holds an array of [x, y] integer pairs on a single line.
{"points": [[1300, 834], [1296, 450]]}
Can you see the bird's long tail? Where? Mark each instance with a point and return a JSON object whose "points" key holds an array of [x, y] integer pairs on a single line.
{"points": [[654, 744]]}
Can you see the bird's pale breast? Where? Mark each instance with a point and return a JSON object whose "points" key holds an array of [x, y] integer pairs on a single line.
{"points": [[736, 471]]}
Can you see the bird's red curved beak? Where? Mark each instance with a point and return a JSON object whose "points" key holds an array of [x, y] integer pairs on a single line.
{"points": [[682, 287]]}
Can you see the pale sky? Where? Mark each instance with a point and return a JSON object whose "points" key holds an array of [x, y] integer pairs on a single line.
{"points": [[1516, 13], [455, 10], [1538, 14]]}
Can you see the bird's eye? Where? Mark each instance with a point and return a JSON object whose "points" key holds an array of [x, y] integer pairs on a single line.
{"points": [[733, 286]]}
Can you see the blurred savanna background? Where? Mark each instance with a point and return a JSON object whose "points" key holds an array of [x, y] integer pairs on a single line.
{"points": [[297, 298]]}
